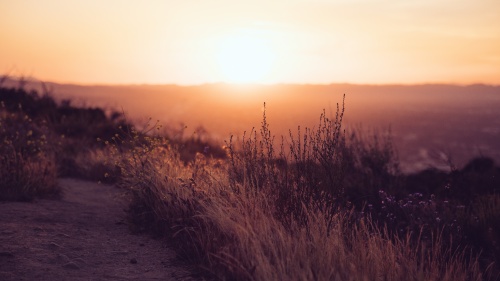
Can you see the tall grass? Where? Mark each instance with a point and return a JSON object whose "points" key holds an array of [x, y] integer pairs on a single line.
{"points": [[42, 139], [319, 204], [27, 159], [279, 214]]}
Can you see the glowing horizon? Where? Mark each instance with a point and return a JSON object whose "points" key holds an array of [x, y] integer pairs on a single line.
{"points": [[299, 42]]}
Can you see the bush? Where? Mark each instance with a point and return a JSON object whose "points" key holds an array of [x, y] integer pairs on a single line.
{"points": [[27, 159], [277, 215], [70, 131]]}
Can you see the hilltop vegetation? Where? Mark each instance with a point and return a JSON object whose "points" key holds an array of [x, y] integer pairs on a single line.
{"points": [[318, 204], [43, 139]]}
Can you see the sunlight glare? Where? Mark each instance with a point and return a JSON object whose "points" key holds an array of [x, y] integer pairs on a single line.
{"points": [[245, 58]]}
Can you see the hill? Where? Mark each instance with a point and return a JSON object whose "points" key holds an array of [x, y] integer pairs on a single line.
{"points": [[428, 123]]}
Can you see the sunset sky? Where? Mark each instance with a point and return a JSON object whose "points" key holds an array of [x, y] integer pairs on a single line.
{"points": [[264, 41]]}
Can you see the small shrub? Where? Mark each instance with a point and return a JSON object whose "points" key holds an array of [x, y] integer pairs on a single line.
{"points": [[69, 130], [27, 160]]}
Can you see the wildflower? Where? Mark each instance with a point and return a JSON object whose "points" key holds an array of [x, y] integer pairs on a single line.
{"points": [[382, 194]]}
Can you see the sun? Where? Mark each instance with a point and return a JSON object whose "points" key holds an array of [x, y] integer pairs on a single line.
{"points": [[245, 58]]}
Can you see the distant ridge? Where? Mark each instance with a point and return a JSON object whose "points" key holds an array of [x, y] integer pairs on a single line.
{"points": [[425, 119]]}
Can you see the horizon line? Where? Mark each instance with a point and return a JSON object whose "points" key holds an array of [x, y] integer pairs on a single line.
{"points": [[235, 84]]}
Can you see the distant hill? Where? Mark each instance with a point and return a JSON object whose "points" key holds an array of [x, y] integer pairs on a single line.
{"points": [[427, 121]]}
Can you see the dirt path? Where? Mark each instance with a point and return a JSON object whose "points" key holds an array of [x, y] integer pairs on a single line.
{"points": [[80, 237]]}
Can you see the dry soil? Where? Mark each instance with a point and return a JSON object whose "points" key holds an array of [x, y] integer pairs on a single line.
{"points": [[82, 236]]}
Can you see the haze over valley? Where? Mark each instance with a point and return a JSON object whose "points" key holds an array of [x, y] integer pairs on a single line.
{"points": [[428, 123]]}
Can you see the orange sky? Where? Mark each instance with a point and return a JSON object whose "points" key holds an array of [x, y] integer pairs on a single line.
{"points": [[266, 41]]}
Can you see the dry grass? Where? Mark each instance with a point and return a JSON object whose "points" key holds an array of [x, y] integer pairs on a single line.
{"points": [[292, 213], [227, 216], [237, 237], [27, 158], [41, 139]]}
